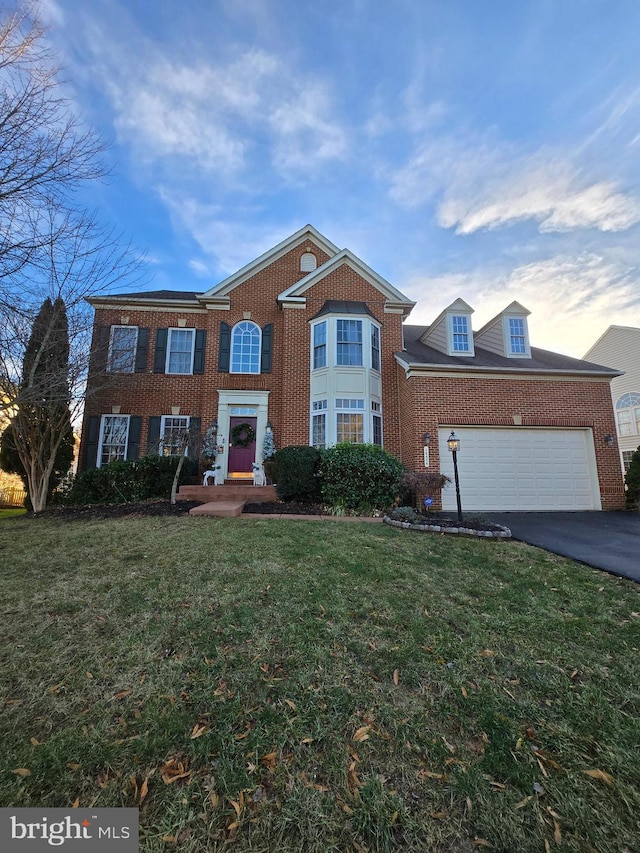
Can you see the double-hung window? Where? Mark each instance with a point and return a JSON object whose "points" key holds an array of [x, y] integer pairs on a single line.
{"points": [[320, 345], [460, 333], [114, 434], [180, 348], [245, 348], [517, 336], [122, 349], [349, 343], [375, 347], [173, 435]]}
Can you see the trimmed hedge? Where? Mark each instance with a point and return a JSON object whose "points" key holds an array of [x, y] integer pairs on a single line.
{"points": [[127, 482], [298, 473], [359, 477]]}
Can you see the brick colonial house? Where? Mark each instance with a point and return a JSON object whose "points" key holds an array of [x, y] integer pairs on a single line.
{"points": [[310, 340]]}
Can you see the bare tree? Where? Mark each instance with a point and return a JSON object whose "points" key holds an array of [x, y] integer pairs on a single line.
{"points": [[50, 247]]}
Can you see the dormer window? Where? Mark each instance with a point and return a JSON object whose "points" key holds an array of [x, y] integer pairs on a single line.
{"points": [[516, 337], [308, 262], [460, 333]]}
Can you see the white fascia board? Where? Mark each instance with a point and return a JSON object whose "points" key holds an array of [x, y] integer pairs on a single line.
{"points": [[268, 257], [393, 295], [141, 302]]}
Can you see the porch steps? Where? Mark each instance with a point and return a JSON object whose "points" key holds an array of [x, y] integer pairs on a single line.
{"points": [[225, 501], [232, 492], [219, 509]]}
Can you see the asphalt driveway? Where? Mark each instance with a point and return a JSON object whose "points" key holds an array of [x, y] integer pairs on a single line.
{"points": [[605, 540]]}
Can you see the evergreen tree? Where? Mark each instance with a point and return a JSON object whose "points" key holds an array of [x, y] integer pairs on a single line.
{"points": [[41, 431], [632, 480]]}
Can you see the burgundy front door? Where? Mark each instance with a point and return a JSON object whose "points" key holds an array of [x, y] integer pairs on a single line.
{"points": [[241, 458]]}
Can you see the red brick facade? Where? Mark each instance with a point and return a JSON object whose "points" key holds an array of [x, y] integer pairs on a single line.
{"points": [[411, 405]]}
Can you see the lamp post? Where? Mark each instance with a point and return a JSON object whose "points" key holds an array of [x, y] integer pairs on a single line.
{"points": [[453, 443]]}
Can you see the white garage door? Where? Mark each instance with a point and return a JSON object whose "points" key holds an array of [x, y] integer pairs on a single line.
{"points": [[521, 469]]}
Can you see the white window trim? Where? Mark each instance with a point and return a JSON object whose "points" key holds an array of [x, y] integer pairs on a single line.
{"points": [[101, 442], [327, 332], [363, 362], [168, 357], [462, 353], [110, 354], [163, 419], [507, 337], [245, 372], [372, 326]]}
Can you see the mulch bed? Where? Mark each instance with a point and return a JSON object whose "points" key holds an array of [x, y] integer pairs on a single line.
{"points": [[152, 509], [94, 511]]}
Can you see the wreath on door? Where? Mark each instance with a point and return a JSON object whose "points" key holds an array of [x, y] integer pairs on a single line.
{"points": [[242, 435]]}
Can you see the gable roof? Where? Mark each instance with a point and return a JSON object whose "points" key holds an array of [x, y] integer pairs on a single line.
{"points": [[514, 308], [394, 298], [607, 332], [308, 232], [418, 357]]}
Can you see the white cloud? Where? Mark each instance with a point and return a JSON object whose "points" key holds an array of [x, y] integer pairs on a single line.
{"points": [[488, 185], [572, 299], [229, 243], [221, 117]]}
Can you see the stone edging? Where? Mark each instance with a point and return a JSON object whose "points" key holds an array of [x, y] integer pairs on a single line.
{"points": [[502, 533]]}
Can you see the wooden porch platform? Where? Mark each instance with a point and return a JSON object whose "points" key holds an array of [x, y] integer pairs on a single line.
{"points": [[225, 501]]}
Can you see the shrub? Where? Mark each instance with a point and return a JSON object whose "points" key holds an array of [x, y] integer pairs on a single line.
{"points": [[632, 481], [125, 482], [359, 477], [417, 484], [406, 513], [298, 473]]}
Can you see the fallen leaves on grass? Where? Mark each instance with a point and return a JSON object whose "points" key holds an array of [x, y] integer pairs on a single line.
{"points": [[361, 734], [198, 730], [600, 775], [22, 771], [175, 769]]}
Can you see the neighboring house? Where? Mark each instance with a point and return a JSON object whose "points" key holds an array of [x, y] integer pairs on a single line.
{"points": [[310, 340], [619, 347]]}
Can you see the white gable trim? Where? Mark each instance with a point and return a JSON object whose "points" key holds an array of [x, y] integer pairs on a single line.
{"points": [[391, 294], [306, 234]]}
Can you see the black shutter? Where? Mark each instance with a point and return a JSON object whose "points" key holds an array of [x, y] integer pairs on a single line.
{"points": [[267, 346], [100, 349], [224, 351], [160, 356], [141, 350], [90, 457], [194, 449], [198, 356], [133, 445], [153, 435]]}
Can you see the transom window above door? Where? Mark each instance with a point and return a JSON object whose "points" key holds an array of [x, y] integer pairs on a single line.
{"points": [[245, 348]]}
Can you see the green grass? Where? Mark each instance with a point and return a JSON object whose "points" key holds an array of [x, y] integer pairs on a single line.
{"points": [[351, 686], [11, 512]]}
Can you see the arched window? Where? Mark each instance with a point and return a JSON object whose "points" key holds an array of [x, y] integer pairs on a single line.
{"points": [[245, 348], [628, 414], [308, 262]]}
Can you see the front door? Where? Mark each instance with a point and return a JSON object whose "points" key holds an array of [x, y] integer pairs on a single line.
{"points": [[242, 444]]}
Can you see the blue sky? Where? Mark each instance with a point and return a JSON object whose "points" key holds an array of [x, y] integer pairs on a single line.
{"points": [[483, 150]]}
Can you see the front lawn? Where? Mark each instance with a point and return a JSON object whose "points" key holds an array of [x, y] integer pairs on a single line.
{"points": [[274, 685]]}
